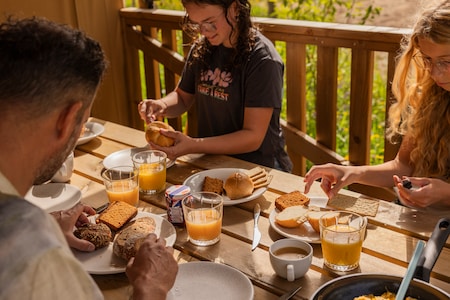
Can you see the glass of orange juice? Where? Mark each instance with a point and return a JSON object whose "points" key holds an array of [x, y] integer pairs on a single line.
{"points": [[342, 234], [152, 171], [203, 213], [122, 184]]}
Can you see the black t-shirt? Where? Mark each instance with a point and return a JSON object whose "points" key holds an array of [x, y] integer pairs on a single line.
{"points": [[221, 97]]}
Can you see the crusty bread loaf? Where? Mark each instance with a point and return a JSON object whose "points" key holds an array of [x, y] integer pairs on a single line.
{"points": [[98, 234], [129, 239], [117, 214], [153, 134], [292, 216], [214, 185], [238, 185], [314, 217], [291, 199]]}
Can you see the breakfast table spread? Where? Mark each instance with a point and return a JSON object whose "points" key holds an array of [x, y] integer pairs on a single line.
{"points": [[391, 237]]}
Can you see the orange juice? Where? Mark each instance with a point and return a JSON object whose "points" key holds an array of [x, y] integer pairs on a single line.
{"points": [[152, 177], [126, 191], [341, 245], [204, 224]]}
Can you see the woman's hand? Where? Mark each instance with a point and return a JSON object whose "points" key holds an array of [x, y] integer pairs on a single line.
{"points": [[74, 217], [153, 270], [150, 110], [334, 177], [426, 191], [183, 144]]}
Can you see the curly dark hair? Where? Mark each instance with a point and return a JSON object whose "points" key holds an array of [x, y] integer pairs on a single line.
{"points": [[44, 64], [246, 31]]}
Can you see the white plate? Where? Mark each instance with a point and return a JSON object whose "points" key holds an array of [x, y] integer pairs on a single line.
{"points": [[92, 130], [208, 280], [304, 232], [195, 182], [124, 158], [104, 261], [444, 210], [54, 196]]}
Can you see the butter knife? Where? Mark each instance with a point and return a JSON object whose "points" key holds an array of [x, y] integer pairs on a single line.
{"points": [[256, 232]]}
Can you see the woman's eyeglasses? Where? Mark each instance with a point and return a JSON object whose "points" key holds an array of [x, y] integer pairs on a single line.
{"points": [[207, 26], [427, 63]]}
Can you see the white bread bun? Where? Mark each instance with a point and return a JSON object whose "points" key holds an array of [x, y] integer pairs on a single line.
{"points": [[238, 185], [314, 217], [292, 216], [153, 135]]}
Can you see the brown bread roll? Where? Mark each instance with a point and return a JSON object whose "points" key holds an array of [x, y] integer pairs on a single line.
{"points": [[153, 135], [238, 185], [129, 239]]}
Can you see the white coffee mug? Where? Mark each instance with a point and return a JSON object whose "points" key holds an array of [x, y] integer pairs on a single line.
{"points": [[65, 172], [290, 258]]}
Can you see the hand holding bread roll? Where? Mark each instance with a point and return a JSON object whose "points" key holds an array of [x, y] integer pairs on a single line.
{"points": [[153, 134]]}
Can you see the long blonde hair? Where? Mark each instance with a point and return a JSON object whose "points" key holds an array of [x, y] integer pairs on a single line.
{"points": [[422, 110]]}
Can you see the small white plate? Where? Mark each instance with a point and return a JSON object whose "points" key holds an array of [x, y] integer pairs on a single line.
{"points": [[124, 158], [92, 130], [304, 232], [104, 261], [208, 280], [54, 196], [195, 182]]}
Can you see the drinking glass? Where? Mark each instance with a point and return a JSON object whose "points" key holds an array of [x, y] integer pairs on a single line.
{"points": [[203, 213], [342, 238], [122, 184], [152, 171]]}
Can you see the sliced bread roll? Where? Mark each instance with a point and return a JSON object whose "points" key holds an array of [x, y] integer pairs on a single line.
{"points": [[314, 217], [292, 216], [129, 240]]}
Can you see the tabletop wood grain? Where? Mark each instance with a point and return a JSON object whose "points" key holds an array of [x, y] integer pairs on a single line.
{"points": [[391, 235]]}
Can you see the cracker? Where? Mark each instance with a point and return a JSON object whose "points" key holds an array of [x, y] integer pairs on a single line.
{"points": [[255, 171], [365, 207]]}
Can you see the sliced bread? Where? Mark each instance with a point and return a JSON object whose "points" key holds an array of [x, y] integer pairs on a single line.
{"points": [[291, 199], [117, 214], [314, 217], [292, 216]]}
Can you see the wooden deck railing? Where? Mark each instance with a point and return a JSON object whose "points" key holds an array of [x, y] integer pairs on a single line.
{"points": [[158, 35]]}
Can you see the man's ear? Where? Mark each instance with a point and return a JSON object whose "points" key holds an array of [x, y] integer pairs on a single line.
{"points": [[67, 120]]}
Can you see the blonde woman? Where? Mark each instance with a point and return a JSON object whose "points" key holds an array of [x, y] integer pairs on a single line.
{"points": [[421, 117]]}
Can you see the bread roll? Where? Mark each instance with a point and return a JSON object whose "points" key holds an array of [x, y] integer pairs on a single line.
{"points": [[314, 216], [292, 216], [238, 185], [98, 234], [129, 240], [153, 134]]}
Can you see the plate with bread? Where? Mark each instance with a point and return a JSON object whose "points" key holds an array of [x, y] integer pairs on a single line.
{"points": [[117, 233], [235, 185], [297, 216], [90, 131], [124, 158]]}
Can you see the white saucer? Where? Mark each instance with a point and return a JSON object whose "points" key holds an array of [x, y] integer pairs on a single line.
{"points": [[92, 130], [54, 196], [195, 182], [208, 280], [104, 261], [123, 158]]}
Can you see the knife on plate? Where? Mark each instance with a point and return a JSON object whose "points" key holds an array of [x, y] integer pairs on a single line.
{"points": [[256, 232]]}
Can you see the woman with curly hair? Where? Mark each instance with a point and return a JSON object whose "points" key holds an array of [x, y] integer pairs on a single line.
{"points": [[421, 117], [234, 77]]}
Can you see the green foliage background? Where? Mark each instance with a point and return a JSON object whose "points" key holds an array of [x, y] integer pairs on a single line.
{"points": [[347, 11]]}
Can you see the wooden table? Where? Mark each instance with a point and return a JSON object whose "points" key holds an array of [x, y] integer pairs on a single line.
{"points": [[391, 237]]}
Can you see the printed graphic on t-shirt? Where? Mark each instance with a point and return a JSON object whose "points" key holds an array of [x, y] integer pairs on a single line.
{"points": [[214, 84]]}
